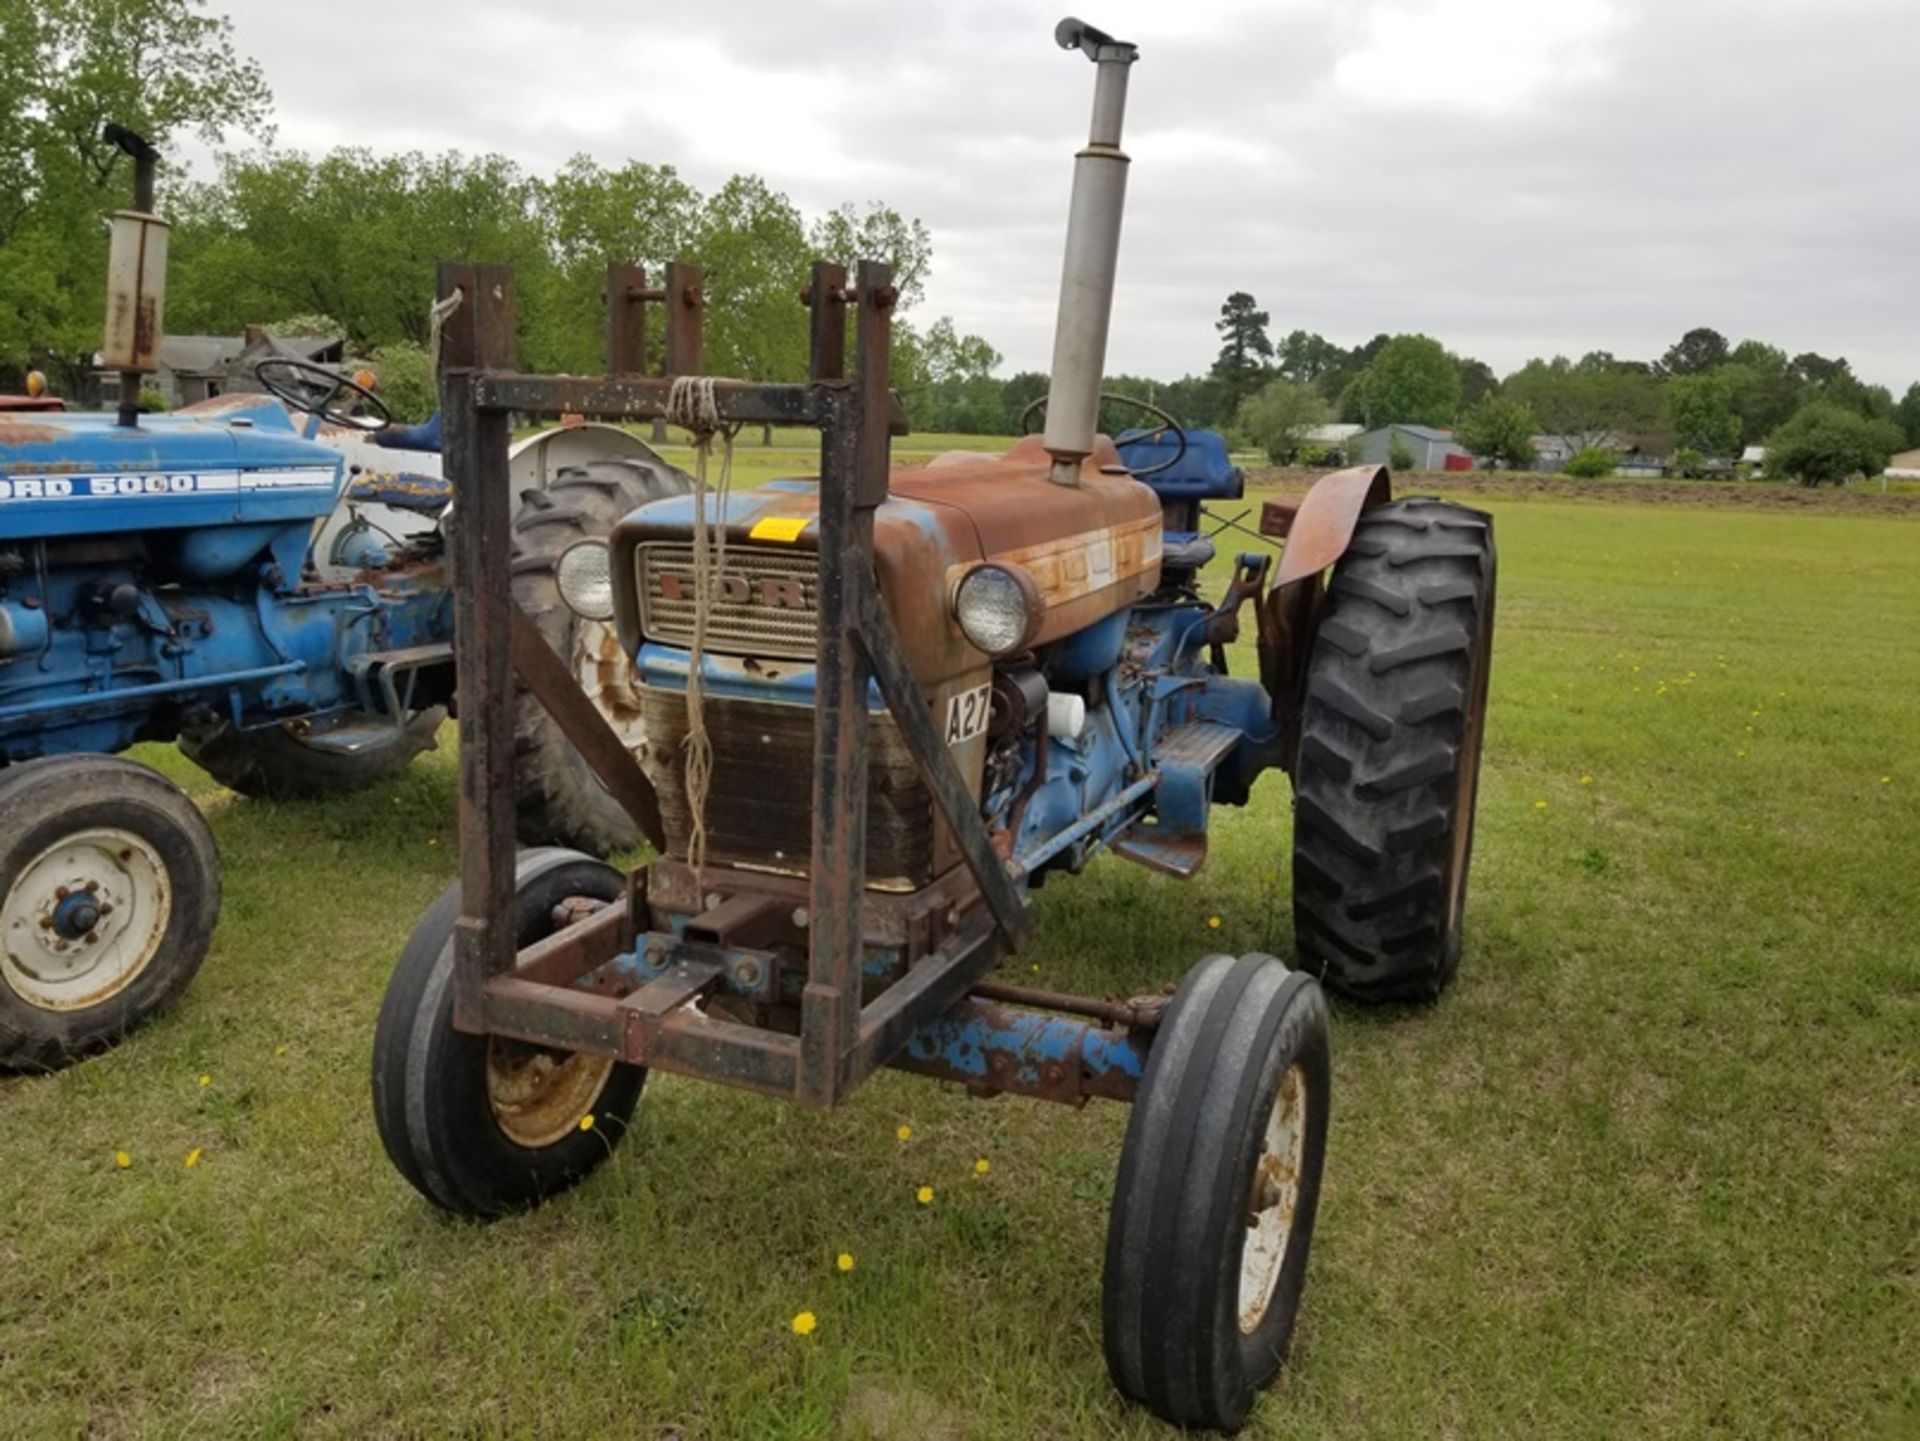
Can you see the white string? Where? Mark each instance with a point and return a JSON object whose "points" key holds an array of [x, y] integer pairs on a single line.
{"points": [[437, 316], [691, 404]]}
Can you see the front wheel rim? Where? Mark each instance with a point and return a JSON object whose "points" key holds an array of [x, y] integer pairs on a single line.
{"points": [[1273, 1199], [538, 1095], [84, 919]]}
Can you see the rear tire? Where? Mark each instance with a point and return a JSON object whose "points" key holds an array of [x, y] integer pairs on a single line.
{"points": [[109, 893], [484, 1125], [1389, 765], [275, 762], [1219, 1184], [561, 801]]}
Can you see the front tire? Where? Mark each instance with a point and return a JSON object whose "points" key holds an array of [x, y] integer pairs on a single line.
{"points": [[109, 893], [561, 801], [277, 762], [486, 1125], [1219, 1183], [1389, 765]]}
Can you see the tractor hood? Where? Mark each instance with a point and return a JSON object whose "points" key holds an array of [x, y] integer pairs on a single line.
{"points": [[81, 473], [1091, 549]]}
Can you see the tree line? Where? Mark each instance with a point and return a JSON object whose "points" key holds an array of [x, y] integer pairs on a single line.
{"points": [[1701, 403]]}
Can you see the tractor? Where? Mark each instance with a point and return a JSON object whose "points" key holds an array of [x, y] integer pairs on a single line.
{"points": [[879, 708], [246, 578]]}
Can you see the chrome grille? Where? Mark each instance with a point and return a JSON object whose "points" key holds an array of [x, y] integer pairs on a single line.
{"points": [[753, 610]]}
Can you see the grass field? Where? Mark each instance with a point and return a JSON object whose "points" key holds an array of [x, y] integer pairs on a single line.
{"points": [[1652, 1166]]}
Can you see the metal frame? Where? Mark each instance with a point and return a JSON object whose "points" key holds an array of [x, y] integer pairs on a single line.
{"points": [[550, 993]]}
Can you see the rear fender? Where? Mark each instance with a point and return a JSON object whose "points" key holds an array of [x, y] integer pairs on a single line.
{"points": [[1317, 534]]}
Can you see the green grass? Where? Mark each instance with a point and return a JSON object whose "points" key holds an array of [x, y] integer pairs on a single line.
{"points": [[1651, 1167]]}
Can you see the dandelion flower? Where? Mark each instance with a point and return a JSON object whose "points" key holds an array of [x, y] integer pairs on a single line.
{"points": [[924, 1195], [279, 1050], [981, 1167], [1886, 780], [206, 1080], [844, 1261], [804, 1323], [122, 1159], [1586, 780], [1539, 805], [586, 1121], [1213, 923], [193, 1158], [905, 1133]]}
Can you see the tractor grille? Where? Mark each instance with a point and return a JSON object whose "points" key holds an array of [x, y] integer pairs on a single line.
{"points": [[763, 604], [760, 806]]}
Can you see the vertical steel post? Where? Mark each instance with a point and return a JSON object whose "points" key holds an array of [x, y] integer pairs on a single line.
{"points": [[686, 316], [626, 319], [827, 321], [480, 335], [853, 481]]}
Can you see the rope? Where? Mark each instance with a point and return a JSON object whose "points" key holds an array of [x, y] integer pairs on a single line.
{"points": [[691, 405], [437, 316]]}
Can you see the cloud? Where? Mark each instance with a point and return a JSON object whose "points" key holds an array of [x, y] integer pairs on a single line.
{"points": [[1513, 176]]}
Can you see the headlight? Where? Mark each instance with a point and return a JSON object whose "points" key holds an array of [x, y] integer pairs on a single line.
{"points": [[998, 607], [584, 574]]}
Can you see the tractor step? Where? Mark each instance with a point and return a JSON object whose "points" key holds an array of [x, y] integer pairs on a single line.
{"points": [[378, 676], [1174, 839], [1203, 744]]}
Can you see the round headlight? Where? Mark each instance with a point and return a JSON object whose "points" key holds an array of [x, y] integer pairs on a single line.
{"points": [[998, 608], [584, 574]]}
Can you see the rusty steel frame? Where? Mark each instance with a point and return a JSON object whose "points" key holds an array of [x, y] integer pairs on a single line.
{"points": [[541, 994]]}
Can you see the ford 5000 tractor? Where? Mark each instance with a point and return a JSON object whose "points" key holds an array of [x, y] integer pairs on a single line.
{"points": [[224, 577]]}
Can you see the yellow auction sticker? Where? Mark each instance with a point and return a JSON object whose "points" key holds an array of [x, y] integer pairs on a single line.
{"points": [[784, 528]]}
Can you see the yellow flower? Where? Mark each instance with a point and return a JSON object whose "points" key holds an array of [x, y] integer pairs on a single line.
{"points": [[1886, 780], [193, 1158], [905, 1133], [844, 1261], [1539, 805], [980, 1167], [1213, 923], [1586, 780], [122, 1159], [924, 1195], [279, 1050], [586, 1121], [804, 1323], [206, 1080]]}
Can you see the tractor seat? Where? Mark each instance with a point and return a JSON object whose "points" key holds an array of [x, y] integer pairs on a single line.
{"points": [[403, 490]]}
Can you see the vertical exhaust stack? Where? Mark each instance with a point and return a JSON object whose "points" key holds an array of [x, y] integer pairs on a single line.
{"points": [[136, 278], [1093, 252]]}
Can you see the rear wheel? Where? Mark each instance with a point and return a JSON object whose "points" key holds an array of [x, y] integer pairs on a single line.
{"points": [[486, 1125], [1219, 1184], [561, 801], [1389, 764], [290, 760], [109, 892]]}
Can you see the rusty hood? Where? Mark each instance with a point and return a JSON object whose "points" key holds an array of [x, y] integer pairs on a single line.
{"points": [[1091, 549]]}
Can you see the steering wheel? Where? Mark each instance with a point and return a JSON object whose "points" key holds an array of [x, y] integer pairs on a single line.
{"points": [[1167, 423], [312, 389]]}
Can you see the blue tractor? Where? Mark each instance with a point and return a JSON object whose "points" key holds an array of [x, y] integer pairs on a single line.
{"points": [[225, 578]]}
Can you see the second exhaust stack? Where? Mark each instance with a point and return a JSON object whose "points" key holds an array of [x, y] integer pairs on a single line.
{"points": [[1093, 253]]}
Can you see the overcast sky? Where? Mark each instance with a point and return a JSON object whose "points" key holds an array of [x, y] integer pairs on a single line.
{"points": [[1516, 177]]}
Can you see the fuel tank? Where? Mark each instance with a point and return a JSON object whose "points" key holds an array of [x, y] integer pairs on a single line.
{"points": [[1091, 549]]}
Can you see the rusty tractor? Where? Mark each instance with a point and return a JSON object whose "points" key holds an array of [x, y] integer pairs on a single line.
{"points": [[879, 709]]}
